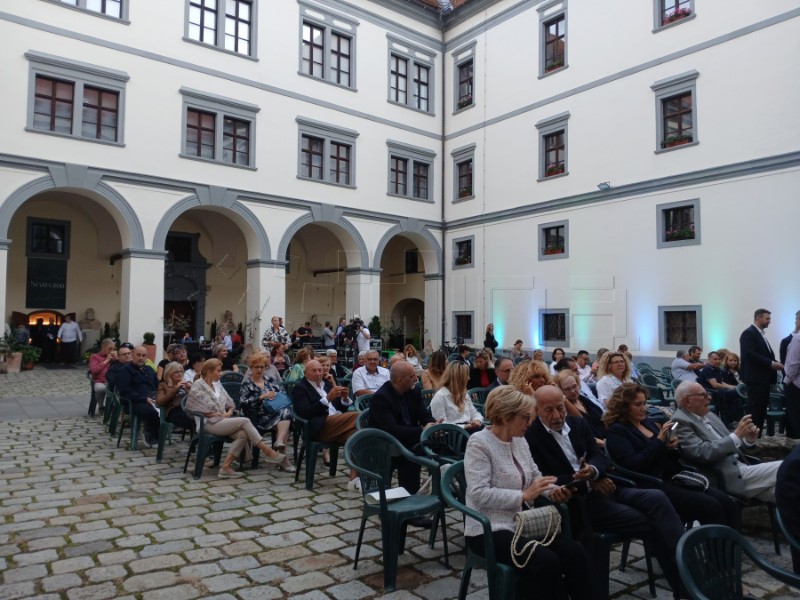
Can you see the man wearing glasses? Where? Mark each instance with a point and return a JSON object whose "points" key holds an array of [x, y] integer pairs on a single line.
{"points": [[123, 357], [502, 368], [371, 377], [707, 443]]}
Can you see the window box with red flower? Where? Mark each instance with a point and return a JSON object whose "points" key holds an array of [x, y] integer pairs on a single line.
{"points": [[553, 170], [677, 15], [676, 140]]}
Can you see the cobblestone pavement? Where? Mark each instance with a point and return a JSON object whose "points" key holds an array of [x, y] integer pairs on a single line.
{"points": [[81, 519]]}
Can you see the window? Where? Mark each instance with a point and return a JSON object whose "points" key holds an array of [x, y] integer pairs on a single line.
{"points": [[75, 99], [218, 129], [462, 252], [679, 327], [327, 46], [462, 327], [48, 238], [327, 153], [410, 171], [554, 326], [463, 171], [410, 76], [464, 69], [223, 24], [676, 107], [553, 27], [553, 240], [668, 12], [117, 9], [412, 261], [678, 224], [553, 146]]}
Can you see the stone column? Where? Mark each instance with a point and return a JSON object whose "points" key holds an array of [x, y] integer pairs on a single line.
{"points": [[266, 296], [363, 293], [4, 246], [433, 309], [142, 296]]}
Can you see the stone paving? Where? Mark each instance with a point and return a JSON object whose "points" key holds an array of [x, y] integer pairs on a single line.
{"points": [[81, 519]]}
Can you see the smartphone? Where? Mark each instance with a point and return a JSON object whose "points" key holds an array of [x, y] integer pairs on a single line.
{"points": [[671, 431]]}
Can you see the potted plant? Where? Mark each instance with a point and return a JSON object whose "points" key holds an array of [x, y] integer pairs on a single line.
{"points": [[12, 357], [30, 355], [463, 260], [149, 343], [554, 169], [674, 235], [554, 250], [395, 339], [676, 140], [375, 327], [465, 102], [465, 191], [679, 14], [554, 64]]}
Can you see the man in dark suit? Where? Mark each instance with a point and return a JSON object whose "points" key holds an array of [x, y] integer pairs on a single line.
{"points": [[565, 448], [398, 409], [502, 368], [137, 382], [787, 497], [759, 367], [323, 405]]}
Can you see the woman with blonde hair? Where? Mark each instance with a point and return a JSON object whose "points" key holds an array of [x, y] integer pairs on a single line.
{"points": [[614, 370], [528, 376], [451, 403], [481, 374], [503, 479], [432, 376], [208, 397]]}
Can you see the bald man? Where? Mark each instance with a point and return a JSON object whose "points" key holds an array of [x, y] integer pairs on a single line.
{"points": [[397, 408]]}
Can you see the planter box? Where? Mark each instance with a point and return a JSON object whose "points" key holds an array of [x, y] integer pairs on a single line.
{"points": [[14, 362]]}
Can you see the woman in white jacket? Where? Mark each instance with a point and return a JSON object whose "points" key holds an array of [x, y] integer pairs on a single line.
{"points": [[451, 402]]}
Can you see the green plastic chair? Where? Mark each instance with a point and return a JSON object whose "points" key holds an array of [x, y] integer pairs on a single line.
{"points": [[113, 410], [130, 419], [776, 412], [362, 422], [710, 563], [362, 402], [369, 453], [92, 396], [444, 443], [478, 396], [793, 541], [502, 578], [310, 450], [231, 376], [234, 389], [202, 442], [427, 397]]}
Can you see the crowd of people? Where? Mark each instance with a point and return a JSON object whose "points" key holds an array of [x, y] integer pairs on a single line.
{"points": [[553, 431]]}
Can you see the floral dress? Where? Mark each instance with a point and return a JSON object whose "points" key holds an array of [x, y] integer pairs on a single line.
{"points": [[252, 406]]}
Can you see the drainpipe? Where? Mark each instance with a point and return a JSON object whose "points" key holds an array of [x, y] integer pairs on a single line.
{"points": [[444, 187]]}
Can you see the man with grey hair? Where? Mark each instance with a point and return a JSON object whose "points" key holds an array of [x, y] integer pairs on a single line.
{"points": [[372, 376], [707, 443], [502, 368], [337, 368]]}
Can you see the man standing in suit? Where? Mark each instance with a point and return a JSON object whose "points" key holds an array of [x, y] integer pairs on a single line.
{"points": [[706, 442], [759, 369], [784, 348], [787, 497], [565, 447]]}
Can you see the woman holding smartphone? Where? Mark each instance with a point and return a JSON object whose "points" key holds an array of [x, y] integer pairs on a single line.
{"points": [[638, 443]]}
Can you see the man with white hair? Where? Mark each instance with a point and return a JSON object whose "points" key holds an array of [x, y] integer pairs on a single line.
{"points": [[372, 376], [707, 443]]}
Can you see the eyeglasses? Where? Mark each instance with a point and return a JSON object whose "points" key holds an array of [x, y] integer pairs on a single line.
{"points": [[702, 394], [503, 370], [127, 345]]}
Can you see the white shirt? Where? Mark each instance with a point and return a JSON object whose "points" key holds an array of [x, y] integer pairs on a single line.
{"points": [[444, 407], [585, 373], [681, 372], [323, 397], [362, 339], [562, 437], [606, 387], [70, 332], [364, 380]]}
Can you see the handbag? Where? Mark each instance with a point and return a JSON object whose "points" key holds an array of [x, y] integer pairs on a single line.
{"points": [[691, 480], [540, 526], [279, 402]]}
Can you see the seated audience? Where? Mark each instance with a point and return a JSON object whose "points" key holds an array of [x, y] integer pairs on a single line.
{"points": [[638, 443], [584, 368], [614, 370], [517, 353], [481, 374], [570, 364], [124, 356], [463, 355], [503, 479], [451, 404], [397, 408], [730, 369], [372, 376], [538, 355], [98, 367], [502, 368], [413, 358], [337, 369], [557, 355], [171, 391], [432, 376], [195, 364], [686, 366], [728, 401], [280, 359], [528, 376], [137, 383], [224, 356], [168, 358], [207, 396], [263, 383], [579, 405], [787, 497], [320, 403], [707, 444], [597, 359], [297, 371]]}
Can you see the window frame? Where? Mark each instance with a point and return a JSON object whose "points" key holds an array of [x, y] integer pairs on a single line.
{"points": [[329, 134], [658, 11], [331, 23], [459, 156], [547, 127], [462, 56], [464, 313], [456, 242], [220, 29], [554, 343], [661, 240], [666, 89], [81, 6], [80, 75], [543, 227], [414, 57], [222, 108], [662, 326], [550, 12], [413, 155], [33, 221]]}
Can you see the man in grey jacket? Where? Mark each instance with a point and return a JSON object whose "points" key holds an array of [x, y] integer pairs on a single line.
{"points": [[706, 442]]}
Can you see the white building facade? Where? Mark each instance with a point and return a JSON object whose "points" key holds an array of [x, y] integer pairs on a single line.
{"points": [[321, 158]]}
